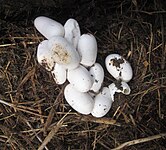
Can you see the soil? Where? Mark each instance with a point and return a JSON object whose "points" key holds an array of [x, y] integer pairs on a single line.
{"points": [[33, 111]]}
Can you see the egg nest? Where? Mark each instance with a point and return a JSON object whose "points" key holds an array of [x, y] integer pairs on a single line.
{"points": [[33, 111]]}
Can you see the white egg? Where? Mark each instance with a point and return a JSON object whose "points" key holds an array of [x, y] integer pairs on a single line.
{"points": [[103, 103], [87, 48], [44, 56], [59, 74], [97, 74], [48, 27], [63, 52], [118, 67], [80, 78], [81, 102], [72, 31], [121, 87]]}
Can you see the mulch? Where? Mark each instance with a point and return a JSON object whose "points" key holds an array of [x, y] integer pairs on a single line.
{"points": [[33, 111]]}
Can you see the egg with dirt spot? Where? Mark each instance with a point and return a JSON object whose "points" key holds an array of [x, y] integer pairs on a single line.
{"points": [[79, 101], [63, 52], [97, 74], [44, 56], [102, 103], [59, 74], [118, 67]]}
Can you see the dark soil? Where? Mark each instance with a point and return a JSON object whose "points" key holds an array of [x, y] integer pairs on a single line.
{"points": [[32, 106]]}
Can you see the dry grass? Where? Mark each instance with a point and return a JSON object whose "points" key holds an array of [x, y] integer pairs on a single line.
{"points": [[33, 111]]}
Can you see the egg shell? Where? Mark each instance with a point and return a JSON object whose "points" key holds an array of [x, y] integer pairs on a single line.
{"points": [[118, 67], [48, 27], [72, 31], [80, 78], [124, 88], [113, 89], [63, 52], [44, 56], [79, 101], [59, 74], [102, 103], [87, 48], [97, 74]]}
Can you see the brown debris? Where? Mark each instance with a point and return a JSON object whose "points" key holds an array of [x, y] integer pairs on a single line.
{"points": [[116, 62]]}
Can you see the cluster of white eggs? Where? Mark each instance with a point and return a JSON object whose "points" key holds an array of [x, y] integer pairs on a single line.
{"points": [[68, 55]]}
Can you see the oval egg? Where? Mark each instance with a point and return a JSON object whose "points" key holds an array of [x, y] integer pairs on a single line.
{"points": [[118, 67], [48, 27], [80, 78], [44, 56], [72, 31], [87, 48], [63, 52], [102, 104], [97, 74], [59, 74], [79, 101]]}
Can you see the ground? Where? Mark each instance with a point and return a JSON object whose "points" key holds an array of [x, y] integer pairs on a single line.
{"points": [[33, 111]]}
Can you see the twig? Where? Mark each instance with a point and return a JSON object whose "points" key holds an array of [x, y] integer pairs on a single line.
{"points": [[52, 132], [141, 140], [14, 44], [149, 13], [52, 112], [27, 77], [103, 120], [163, 43], [35, 133], [21, 108]]}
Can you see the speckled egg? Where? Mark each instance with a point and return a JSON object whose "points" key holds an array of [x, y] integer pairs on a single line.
{"points": [[97, 74], [118, 67], [79, 101], [63, 52], [59, 74], [44, 56], [103, 103]]}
